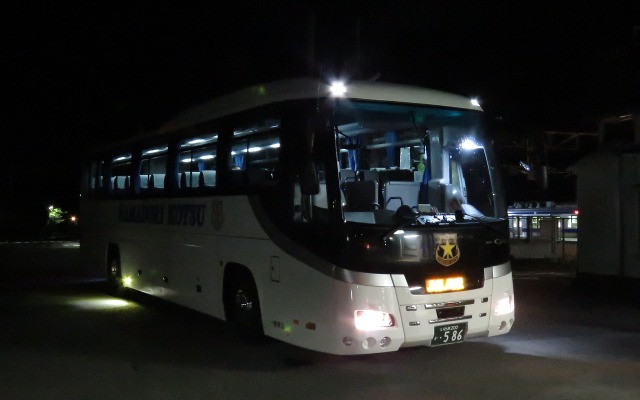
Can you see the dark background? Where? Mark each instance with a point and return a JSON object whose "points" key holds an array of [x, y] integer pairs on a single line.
{"points": [[88, 72]]}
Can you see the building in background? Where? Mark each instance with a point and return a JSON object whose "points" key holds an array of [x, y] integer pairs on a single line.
{"points": [[608, 193]]}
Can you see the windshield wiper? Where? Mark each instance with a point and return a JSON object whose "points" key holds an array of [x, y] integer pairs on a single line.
{"points": [[412, 216], [459, 214]]}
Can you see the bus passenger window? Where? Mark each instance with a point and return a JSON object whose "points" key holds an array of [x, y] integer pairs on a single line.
{"points": [[96, 181], [255, 154], [237, 162], [153, 167], [121, 174], [197, 163]]}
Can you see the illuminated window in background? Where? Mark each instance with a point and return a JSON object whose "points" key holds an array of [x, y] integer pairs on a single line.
{"points": [[535, 227]]}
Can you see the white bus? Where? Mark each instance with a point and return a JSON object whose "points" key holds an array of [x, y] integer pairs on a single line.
{"points": [[348, 219]]}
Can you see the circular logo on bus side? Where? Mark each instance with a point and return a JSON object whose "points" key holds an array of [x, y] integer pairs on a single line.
{"points": [[447, 250], [217, 216]]}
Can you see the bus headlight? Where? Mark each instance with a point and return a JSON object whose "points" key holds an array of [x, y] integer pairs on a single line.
{"points": [[367, 320], [505, 305]]}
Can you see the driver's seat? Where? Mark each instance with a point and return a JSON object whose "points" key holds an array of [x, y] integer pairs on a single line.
{"points": [[361, 195]]}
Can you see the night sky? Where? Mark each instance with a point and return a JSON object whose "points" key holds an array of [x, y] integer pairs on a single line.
{"points": [[85, 72]]}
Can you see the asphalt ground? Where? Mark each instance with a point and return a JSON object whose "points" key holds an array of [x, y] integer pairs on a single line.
{"points": [[63, 337]]}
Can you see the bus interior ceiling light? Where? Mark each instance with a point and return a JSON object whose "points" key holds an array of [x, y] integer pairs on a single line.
{"points": [[338, 89], [196, 141]]}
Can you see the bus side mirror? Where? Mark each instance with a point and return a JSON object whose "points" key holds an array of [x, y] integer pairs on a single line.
{"points": [[309, 184], [308, 175]]}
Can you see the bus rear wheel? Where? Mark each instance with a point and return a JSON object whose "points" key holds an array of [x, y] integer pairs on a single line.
{"points": [[244, 309], [114, 273]]}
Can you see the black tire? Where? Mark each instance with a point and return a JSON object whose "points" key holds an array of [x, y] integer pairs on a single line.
{"points": [[244, 309], [114, 273]]}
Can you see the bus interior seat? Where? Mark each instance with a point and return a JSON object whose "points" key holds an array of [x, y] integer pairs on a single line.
{"points": [[370, 175], [194, 179], [208, 178], [436, 194], [448, 198], [320, 199], [189, 180], [237, 177], [259, 176], [399, 193], [144, 182], [365, 217], [156, 181], [403, 175], [347, 175], [361, 195], [121, 182], [96, 183]]}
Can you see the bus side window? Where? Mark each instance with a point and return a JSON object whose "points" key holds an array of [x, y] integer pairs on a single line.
{"points": [[206, 166], [254, 161], [153, 167], [121, 174], [197, 163], [96, 180], [237, 162]]}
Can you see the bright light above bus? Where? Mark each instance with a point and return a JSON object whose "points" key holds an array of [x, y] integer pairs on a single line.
{"points": [[337, 89], [468, 144]]}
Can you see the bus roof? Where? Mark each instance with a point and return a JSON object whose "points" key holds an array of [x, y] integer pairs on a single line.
{"points": [[308, 88]]}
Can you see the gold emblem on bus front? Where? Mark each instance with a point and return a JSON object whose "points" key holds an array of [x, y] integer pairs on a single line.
{"points": [[447, 250]]}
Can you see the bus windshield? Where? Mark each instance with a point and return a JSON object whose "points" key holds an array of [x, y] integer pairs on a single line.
{"points": [[427, 160]]}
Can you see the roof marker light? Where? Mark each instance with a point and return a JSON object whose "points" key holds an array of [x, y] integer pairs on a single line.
{"points": [[469, 144], [475, 102], [338, 89]]}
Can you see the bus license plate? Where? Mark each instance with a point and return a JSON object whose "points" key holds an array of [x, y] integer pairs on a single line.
{"points": [[449, 334]]}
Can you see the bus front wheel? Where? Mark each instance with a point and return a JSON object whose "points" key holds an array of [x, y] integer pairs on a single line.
{"points": [[244, 309]]}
